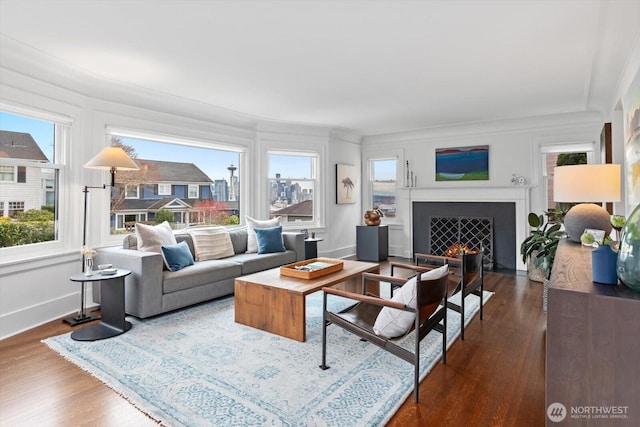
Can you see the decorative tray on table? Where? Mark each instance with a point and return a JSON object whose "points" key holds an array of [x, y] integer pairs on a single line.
{"points": [[311, 268]]}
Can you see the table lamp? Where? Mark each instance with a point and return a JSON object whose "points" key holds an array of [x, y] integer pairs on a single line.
{"points": [[584, 184], [111, 159]]}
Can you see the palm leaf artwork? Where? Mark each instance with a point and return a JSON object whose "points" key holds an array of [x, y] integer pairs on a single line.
{"points": [[348, 185]]}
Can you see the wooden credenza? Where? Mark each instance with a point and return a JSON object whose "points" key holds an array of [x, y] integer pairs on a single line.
{"points": [[593, 345]]}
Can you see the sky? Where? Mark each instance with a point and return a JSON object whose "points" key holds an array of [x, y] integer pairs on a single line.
{"points": [[42, 132], [214, 163]]}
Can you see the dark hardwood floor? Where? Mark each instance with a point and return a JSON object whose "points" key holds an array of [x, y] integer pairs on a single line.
{"points": [[495, 377]]}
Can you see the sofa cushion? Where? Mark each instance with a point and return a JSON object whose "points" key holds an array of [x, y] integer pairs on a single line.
{"points": [[252, 224], [238, 239], [392, 322], [269, 240], [152, 237], [198, 274], [186, 237], [130, 241], [211, 243], [177, 257], [252, 263]]}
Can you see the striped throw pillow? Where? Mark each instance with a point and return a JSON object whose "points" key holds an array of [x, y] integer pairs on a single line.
{"points": [[211, 243]]}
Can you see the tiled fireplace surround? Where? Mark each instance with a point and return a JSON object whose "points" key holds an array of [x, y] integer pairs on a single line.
{"points": [[519, 196]]}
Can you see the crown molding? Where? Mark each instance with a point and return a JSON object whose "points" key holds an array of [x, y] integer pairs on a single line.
{"points": [[527, 124]]}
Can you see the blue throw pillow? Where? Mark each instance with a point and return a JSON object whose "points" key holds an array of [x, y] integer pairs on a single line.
{"points": [[269, 240], [177, 257]]}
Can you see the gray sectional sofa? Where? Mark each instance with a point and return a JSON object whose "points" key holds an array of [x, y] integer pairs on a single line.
{"points": [[150, 289]]}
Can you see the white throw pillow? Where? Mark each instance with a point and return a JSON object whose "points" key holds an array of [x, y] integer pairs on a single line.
{"points": [[392, 322], [211, 243], [152, 237], [252, 242]]}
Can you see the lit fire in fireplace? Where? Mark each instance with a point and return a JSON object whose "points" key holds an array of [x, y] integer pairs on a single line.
{"points": [[457, 249]]}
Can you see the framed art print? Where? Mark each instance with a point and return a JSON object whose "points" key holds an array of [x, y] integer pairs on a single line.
{"points": [[347, 184], [462, 163]]}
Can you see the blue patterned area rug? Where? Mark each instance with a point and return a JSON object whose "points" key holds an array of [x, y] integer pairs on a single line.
{"points": [[197, 367]]}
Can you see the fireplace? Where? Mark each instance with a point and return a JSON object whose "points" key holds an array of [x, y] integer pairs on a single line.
{"points": [[492, 225], [452, 235]]}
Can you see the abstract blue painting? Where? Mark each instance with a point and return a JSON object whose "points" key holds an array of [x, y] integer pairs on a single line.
{"points": [[462, 163]]}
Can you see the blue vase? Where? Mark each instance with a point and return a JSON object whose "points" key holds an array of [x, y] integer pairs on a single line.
{"points": [[603, 265], [629, 252]]}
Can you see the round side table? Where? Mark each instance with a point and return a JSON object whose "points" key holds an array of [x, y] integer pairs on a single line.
{"points": [[111, 306]]}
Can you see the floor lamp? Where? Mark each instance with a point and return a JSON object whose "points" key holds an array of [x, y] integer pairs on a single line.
{"points": [[586, 183], [111, 159]]}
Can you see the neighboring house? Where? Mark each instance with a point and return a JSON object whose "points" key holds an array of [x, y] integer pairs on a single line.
{"points": [[181, 188], [302, 211], [23, 187]]}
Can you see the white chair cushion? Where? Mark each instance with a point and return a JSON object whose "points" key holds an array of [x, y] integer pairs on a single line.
{"points": [[392, 322]]}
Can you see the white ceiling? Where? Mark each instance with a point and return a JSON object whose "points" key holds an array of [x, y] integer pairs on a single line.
{"points": [[369, 66]]}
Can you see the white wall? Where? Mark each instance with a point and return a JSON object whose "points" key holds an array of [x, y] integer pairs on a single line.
{"points": [[340, 235], [514, 148]]}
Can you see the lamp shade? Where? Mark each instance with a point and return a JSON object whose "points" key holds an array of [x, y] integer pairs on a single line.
{"points": [[112, 158], [586, 183]]}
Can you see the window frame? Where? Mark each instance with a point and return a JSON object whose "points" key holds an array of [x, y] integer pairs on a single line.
{"points": [[64, 131], [316, 161], [4, 171], [372, 181], [127, 191], [164, 186], [367, 169], [193, 187], [109, 129]]}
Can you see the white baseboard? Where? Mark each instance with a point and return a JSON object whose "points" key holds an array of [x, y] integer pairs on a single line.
{"points": [[30, 317]]}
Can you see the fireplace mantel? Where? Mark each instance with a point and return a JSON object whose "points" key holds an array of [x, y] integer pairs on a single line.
{"points": [[518, 194]]}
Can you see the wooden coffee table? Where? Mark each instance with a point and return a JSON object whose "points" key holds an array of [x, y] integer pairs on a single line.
{"points": [[275, 303]]}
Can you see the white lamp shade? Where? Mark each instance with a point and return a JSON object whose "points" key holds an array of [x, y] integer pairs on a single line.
{"points": [[111, 158], [586, 183]]}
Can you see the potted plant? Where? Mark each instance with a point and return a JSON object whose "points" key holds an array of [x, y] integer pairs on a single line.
{"points": [[539, 248]]}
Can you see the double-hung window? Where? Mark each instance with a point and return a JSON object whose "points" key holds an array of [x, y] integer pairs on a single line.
{"points": [[292, 180], [29, 176], [382, 181], [193, 191], [132, 191], [164, 189]]}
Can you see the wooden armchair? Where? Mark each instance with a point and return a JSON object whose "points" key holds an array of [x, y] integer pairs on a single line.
{"points": [[429, 292], [467, 270]]}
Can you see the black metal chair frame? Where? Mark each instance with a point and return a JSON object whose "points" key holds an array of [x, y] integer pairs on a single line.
{"points": [[421, 326], [469, 269]]}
